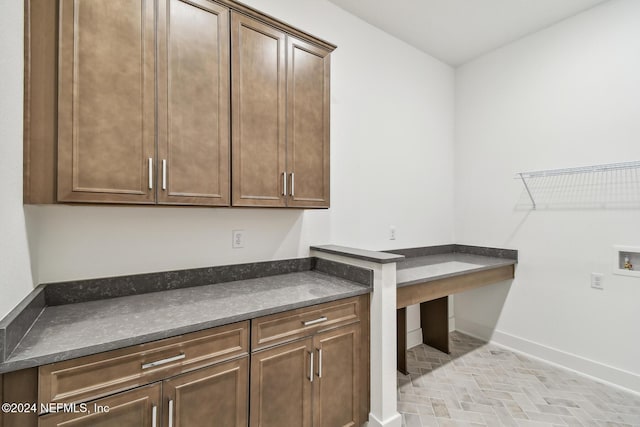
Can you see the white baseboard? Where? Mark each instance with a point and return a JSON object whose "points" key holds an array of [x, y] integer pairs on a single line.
{"points": [[394, 421], [619, 378], [474, 329], [414, 337]]}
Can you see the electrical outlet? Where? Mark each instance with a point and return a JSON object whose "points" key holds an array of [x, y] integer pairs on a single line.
{"points": [[237, 239], [596, 280], [392, 232]]}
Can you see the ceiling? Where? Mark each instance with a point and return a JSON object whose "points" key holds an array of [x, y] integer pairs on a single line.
{"points": [[456, 31]]}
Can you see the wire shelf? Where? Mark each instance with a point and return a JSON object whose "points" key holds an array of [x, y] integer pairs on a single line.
{"points": [[615, 185]]}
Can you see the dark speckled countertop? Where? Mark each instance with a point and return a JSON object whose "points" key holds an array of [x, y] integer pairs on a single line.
{"points": [[68, 331], [422, 269]]}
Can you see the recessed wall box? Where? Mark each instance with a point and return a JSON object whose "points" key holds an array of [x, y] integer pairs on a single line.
{"points": [[626, 260]]}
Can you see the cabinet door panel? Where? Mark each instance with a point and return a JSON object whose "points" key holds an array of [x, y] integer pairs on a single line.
{"points": [[337, 391], [106, 103], [308, 69], [217, 395], [130, 409], [258, 112], [280, 386], [193, 103]]}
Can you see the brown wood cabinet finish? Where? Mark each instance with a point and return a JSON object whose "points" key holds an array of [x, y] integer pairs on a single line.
{"points": [[19, 387], [281, 381], [337, 389], [282, 327], [40, 101], [331, 359], [96, 72], [219, 393], [308, 74], [193, 103], [280, 118], [87, 378], [135, 408], [258, 113], [106, 101], [420, 292]]}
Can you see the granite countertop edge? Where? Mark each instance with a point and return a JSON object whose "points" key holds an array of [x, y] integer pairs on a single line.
{"points": [[378, 257], [456, 273], [31, 362]]}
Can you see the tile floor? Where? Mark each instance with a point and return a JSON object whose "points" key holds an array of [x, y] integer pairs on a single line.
{"points": [[481, 384]]}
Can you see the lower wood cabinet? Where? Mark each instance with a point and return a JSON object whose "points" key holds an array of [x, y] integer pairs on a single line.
{"points": [[308, 368], [315, 381], [217, 394], [212, 396], [337, 385], [135, 408], [281, 385]]}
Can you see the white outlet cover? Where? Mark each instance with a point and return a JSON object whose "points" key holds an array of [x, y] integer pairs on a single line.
{"points": [[596, 280], [237, 237]]}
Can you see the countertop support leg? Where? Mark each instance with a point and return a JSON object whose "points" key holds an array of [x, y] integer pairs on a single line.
{"points": [[401, 328], [434, 320]]}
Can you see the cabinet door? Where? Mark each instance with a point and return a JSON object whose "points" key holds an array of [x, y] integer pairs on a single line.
{"points": [[258, 113], [308, 69], [217, 395], [106, 101], [337, 389], [193, 103], [281, 386], [136, 408]]}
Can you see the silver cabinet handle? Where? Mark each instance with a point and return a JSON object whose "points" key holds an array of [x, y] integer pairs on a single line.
{"points": [[154, 416], [313, 322], [164, 174], [284, 183], [163, 361], [319, 363], [150, 173], [311, 366], [293, 184], [171, 413]]}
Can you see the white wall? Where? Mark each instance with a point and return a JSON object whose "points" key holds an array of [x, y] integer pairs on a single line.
{"points": [[15, 273], [566, 96], [391, 153]]}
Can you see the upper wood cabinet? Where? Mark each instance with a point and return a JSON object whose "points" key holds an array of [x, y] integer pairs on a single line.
{"points": [[106, 101], [280, 98], [173, 102], [193, 103], [258, 113], [308, 71]]}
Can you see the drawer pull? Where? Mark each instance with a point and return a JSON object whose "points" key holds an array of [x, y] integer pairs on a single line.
{"points": [[163, 361], [313, 322]]}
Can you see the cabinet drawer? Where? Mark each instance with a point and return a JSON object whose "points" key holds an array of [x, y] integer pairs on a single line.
{"points": [[278, 328], [135, 408], [87, 378]]}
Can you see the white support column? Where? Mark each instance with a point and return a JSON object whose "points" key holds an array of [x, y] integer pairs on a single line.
{"points": [[384, 410], [383, 364]]}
